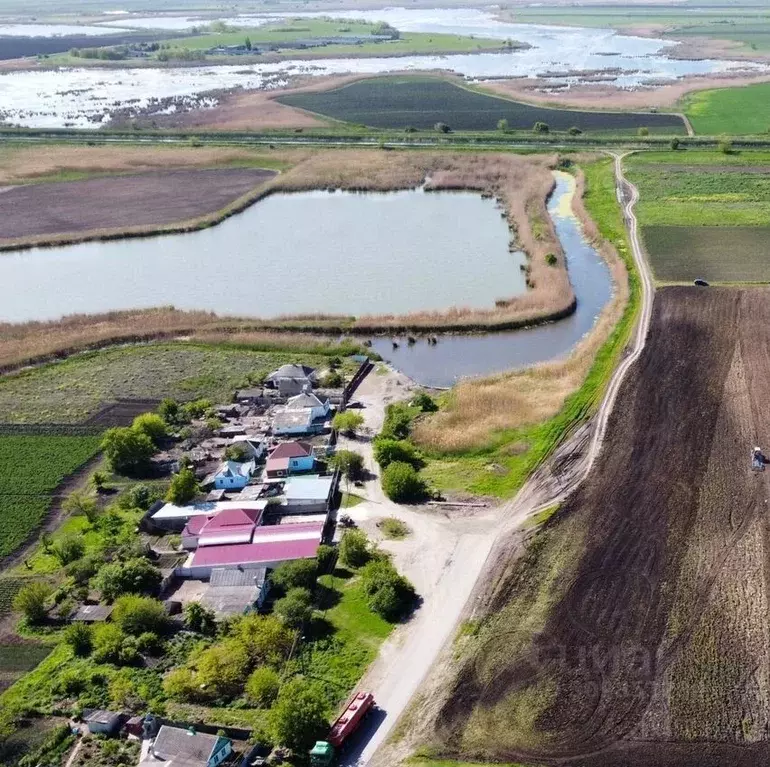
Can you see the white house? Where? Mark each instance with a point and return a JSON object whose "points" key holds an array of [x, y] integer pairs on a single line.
{"points": [[309, 401], [233, 475]]}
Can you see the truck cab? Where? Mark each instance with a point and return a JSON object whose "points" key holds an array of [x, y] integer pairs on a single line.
{"points": [[322, 754]]}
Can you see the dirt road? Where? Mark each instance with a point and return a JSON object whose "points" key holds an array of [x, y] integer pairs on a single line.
{"points": [[447, 553]]}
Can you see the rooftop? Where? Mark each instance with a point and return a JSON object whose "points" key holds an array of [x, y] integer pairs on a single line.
{"points": [[292, 371], [235, 469], [308, 488], [265, 552], [175, 741], [304, 400], [205, 508], [287, 418], [291, 450]]}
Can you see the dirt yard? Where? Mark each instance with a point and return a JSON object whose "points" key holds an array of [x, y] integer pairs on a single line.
{"points": [[152, 199], [634, 630]]}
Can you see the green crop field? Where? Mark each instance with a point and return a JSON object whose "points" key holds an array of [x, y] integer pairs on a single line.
{"points": [[716, 254], [30, 469], [704, 214], [734, 111], [421, 102], [70, 391]]}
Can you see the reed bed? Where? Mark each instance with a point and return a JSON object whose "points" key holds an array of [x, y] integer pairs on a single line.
{"points": [[478, 410]]}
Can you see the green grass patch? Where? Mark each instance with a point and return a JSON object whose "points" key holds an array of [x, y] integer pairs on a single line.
{"points": [[735, 111], [498, 471], [542, 516], [30, 469], [349, 500], [421, 102], [72, 390], [393, 528], [717, 254]]}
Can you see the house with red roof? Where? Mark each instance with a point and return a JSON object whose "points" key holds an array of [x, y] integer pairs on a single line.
{"points": [[289, 458], [229, 526]]}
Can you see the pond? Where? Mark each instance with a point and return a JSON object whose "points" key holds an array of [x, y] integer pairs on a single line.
{"points": [[311, 252], [86, 98], [458, 356]]}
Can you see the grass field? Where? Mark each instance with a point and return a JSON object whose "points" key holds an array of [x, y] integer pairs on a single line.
{"points": [[72, 390], [421, 102], [30, 469], [732, 111], [704, 214]]}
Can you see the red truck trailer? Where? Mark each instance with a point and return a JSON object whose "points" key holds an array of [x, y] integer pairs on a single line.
{"points": [[346, 724]]}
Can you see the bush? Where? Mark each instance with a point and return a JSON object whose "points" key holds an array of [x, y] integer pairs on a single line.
{"points": [[502, 125], [31, 601], [222, 669], [82, 570], [574, 131], [80, 504], [540, 127], [149, 643], [199, 618], [393, 528], [265, 637], [238, 452], [387, 451], [108, 641], [296, 608], [68, 548], [301, 573], [442, 128], [348, 422], [350, 464], [725, 146], [550, 259], [135, 615], [298, 717], [326, 557], [398, 421], [152, 425], [425, 402], [388, 593], [183, 487], [197, 408], [134, 576], [139, 497], [262, 687], [643, 131], [402, 484], [332, 380], [354, 548], [180, 684], [128, 451], [675, 144], [169, 411], [79, 637]]}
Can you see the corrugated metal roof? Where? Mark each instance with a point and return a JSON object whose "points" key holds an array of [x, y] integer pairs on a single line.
{"points": [[255, 553], [312, 488]]}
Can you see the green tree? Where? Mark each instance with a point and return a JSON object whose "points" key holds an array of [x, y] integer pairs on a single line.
{"points": [[197, 408], [82, 570], [574, 131], [152, 425], [99, 481], [248, 43], [425, 402], [332, 380], [80, 504], [183, 487], [108, 642], [139, 497], [674, 144], [180, 684], [502, 125], [79, 637], [266, 639], [135, 614], [387, 451], [300, 573], [354, 548], [725, 146], [326, 557], [239, 452], [31, 601], [348, 422], [199, 618], [389, 594], [402, 484], [68, 548], [222, 668], [136, 575], [398, 421], [442, 128], [296, 608], [169, 411], [262, 687], [643, 131], [298, 717], [350, 464], [128, 451], [540, 127]]}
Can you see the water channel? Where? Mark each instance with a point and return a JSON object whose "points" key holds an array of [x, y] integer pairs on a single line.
{"points": [[310, 252], [458, 356]]}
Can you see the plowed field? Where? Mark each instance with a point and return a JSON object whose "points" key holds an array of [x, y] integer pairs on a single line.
{"points": [[636, 631]]}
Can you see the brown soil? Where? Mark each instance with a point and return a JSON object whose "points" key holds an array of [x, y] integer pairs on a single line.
{"points": [[146, 200], [634, 629], [604, 96]]}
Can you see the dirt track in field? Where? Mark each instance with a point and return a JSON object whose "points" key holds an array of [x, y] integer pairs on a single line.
{"points": [[650, 643], [143, 200]]}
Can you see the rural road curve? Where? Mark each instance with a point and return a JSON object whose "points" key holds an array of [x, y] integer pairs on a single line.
{"points": [[403, 665]]}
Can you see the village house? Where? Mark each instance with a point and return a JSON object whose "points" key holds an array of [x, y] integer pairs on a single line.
{"points": [[233, 475], [177, 747], [309, 401], [174, 518], [289, 458], [256, 445], [100, 722], [307, 494], [224, 527], [292, 379], [295, 423]]}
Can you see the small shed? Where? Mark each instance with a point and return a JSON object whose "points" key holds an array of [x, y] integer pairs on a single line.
{"points": [[101, 722]]}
